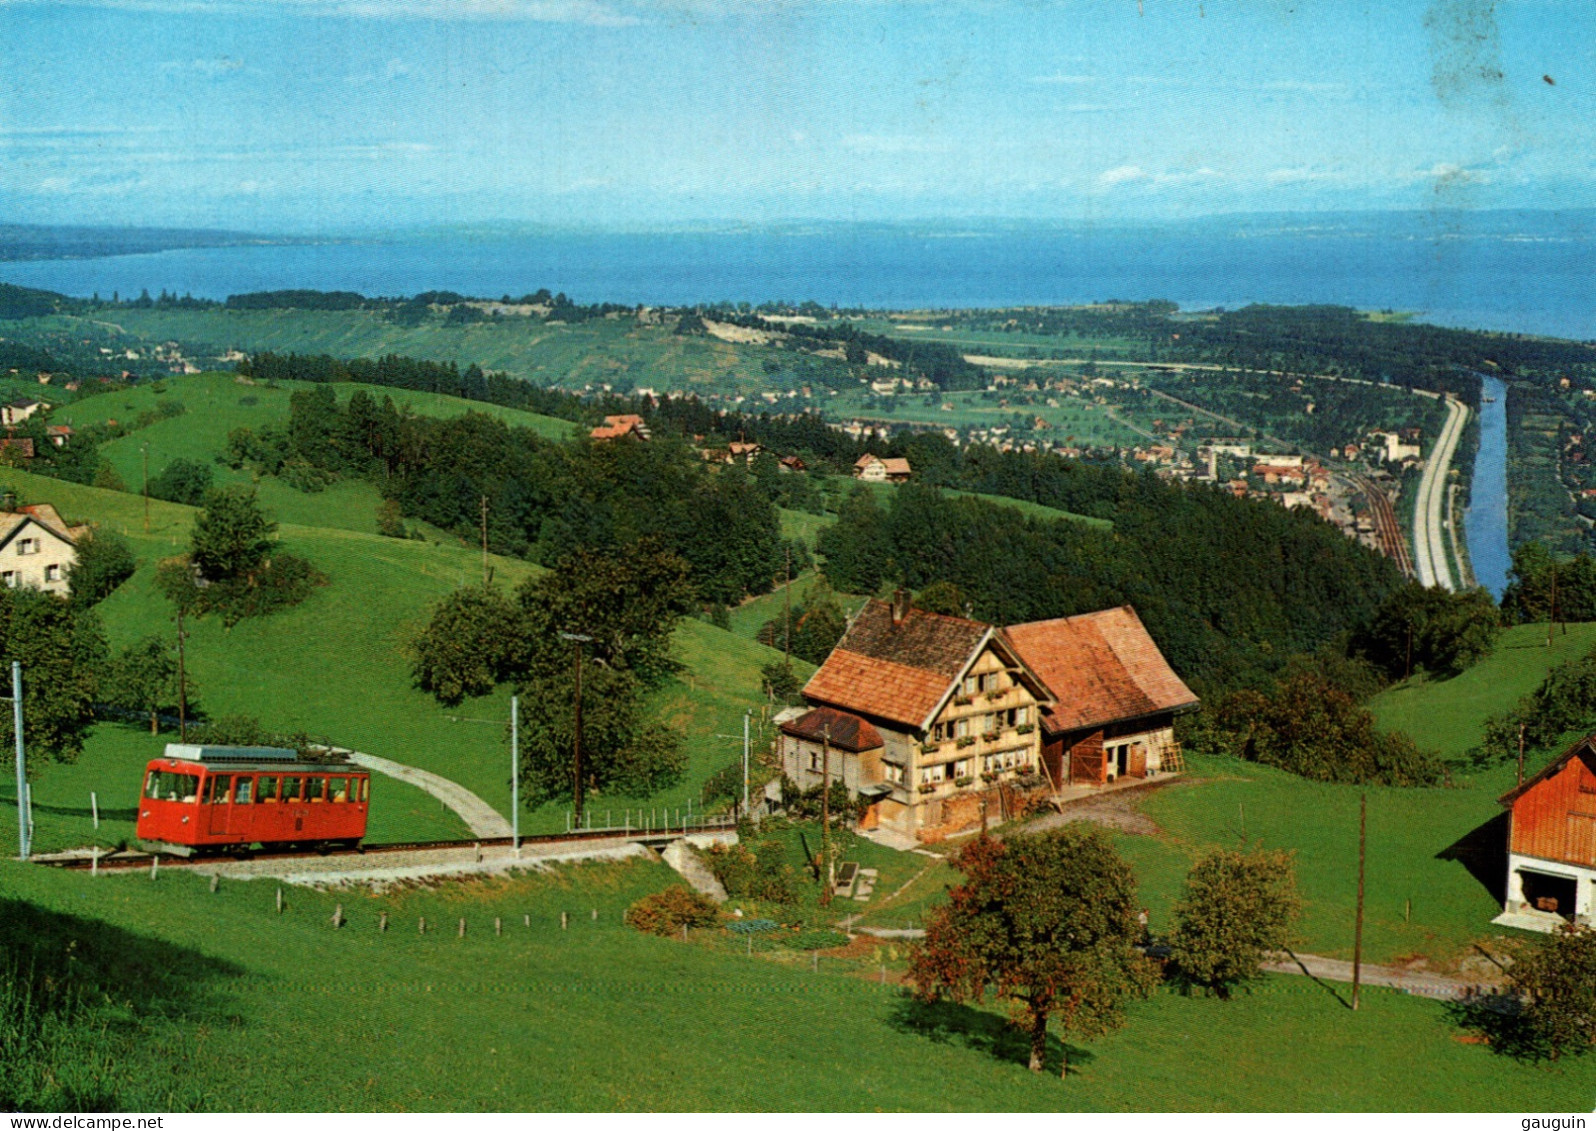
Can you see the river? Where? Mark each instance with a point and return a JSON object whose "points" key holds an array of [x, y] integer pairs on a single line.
{"points": [[1485, 522]]}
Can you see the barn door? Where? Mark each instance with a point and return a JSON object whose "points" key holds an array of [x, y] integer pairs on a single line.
{"points": [[1088, 764], [1136, 761]]}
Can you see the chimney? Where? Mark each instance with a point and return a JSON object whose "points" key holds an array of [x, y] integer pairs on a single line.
{"points": [[8, 501], [900, 605]]}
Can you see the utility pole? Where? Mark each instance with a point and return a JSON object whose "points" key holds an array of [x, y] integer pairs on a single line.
{"points": [[486, 574], [182, 681], [1357, 933], [1552, 618], [786, 635], [1520, 753], [745, 762], [576, 758], [515, 774], [146, 450], [825, 813], [24, 802], [1407, 669]]}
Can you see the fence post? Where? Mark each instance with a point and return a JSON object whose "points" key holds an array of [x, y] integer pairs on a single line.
{"points": [[462, 928], [155, 865], [421, 928], [595, 914], [94, 863], [338, 916], [565, 920], [94, 804], [382, 922], [216, 882], [498, 925], [528, 919]]}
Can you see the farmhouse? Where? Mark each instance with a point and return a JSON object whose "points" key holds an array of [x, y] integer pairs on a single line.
{"points": [[36, 547], [925, 714], [614, 427], [875, 469], [1551, 861], [1114, 695], [920, 713], [15, 412]]}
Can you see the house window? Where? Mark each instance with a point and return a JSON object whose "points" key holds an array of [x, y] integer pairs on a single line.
{"points": [[972, 684], [1022, 715], [814, 761], [991, 724], [961, 728], [28, 546], [52, 573], [934, 774], [962, 769], [10, 578], [894, 773]]}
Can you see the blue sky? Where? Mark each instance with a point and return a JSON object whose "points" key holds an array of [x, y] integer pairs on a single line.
{"points": [[329, 115]]}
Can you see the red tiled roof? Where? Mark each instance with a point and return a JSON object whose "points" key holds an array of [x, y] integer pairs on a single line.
{"points": [[1101, 667], [617, 426], [846, 732], [900, 671]]}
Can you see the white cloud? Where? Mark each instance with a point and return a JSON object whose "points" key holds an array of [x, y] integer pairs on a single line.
{"points": [[1121, 175]]}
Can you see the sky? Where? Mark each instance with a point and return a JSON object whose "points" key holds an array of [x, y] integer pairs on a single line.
{"points": [[323, 116]]}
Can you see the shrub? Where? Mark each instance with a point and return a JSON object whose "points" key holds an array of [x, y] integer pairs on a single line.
{"points": [[761, 875], [668, 911], [182, 481], [104, 561], [1238, 907]]}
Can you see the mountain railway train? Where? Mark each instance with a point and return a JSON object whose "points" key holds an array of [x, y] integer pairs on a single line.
{"points": [[200, 799]]}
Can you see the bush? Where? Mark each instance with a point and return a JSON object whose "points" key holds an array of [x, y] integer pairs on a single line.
{"points": [[104, 561], [668, 911], [182, 481], [281, 583], [1238, 907], [749, 875]]}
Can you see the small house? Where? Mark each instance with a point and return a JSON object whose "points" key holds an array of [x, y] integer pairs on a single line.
{"points": [[877, 469], [15, 412], [1551, 848], [37, 547], [615, 427]]}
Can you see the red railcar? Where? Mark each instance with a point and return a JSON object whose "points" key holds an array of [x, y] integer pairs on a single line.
{"points": [[213, 798]]}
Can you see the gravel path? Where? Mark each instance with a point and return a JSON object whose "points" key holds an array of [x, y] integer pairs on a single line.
{"points": [[480, 817]]}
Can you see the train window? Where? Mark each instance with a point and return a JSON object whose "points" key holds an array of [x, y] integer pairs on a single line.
{"points": [[291, 790], [220, 786], [338, 788], [267, 789], [365, 788], [241, 790], [163, 785], [315, 789]]}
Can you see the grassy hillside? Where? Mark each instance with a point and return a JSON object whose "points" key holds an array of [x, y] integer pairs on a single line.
{"points": [[337, 665], [601, 1017]]}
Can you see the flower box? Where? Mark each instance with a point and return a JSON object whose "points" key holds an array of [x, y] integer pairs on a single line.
{"points": [[928, 787], [991, 695], [967, 740], [962, 782], [989, 776], [963, 700], [930, 747], [1025, 728]]}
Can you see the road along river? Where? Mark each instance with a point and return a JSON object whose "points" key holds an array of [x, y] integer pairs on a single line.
{"points": [[1429, 529]]}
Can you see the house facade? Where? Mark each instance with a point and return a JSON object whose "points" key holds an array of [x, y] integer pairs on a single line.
{"points": [[36, 548], [1114, 695], [919, 713], [1551, 855]]}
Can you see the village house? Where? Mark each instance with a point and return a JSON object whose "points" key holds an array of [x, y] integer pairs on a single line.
{"points": [[920, 714], [876, 469], [59, 434], [15, 412], [614, 427], [36, 548], [1551, 861], [1114, 697]]}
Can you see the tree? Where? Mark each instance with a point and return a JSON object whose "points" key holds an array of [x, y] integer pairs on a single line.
{"points": [[1431, 629], [62, 650], [182, 481], [143, 678], [1556, 982], [1047, 921], [942, 597], [475, 639], [1238, 908], [232, 537], [103, 561]]}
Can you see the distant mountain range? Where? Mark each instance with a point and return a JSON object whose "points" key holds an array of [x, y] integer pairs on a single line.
{"points": [[48, 241]]}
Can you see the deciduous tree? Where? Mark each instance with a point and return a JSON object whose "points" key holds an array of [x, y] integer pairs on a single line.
{"points": [[1238, 908], [1046, 921]]}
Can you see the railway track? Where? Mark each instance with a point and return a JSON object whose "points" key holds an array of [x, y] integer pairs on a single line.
{"points": [[132, 860], [1386, 526]]}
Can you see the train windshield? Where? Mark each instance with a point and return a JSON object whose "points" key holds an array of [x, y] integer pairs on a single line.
{"points": [[166, 785]]}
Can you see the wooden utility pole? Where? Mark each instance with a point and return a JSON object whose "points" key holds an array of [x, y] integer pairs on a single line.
{"points": [[1551, 621], [1357, 931], [786, 635], [486, 574], [1520, 753], [578, 640], [182, 679], [146, 450], [1407, 668], [825, 813]]}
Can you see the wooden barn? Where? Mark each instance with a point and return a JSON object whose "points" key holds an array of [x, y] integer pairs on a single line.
{"points": [[1115, 697], [1551, 848]]}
